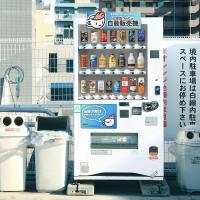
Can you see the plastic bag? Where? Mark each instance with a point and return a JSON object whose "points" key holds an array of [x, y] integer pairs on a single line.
{"points": [[44, 137]]}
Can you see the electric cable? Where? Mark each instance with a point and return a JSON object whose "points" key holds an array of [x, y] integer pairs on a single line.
{"points": [[14, 75]]}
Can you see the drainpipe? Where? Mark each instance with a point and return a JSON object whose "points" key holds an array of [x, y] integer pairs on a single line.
{"points": [[28, 109]]}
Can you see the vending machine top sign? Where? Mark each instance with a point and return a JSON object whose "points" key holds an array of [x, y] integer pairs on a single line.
{"points": [[112, 20]]}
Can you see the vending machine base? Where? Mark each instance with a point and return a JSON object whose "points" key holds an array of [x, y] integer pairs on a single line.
{"points": [[119, 178], [78, 189], [154, 188]]}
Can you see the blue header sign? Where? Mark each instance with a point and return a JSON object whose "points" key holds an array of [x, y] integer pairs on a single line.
{"points": [[99, 116], [113, 20]]}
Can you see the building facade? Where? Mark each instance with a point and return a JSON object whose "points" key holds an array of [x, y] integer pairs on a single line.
{"points": [[53, 50], [181, 17], [16, 48], [65, 12]]}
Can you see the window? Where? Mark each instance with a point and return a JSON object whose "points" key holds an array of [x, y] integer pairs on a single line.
{"points": [[142, 4], [61, 91], [107, 4], [69, 65], [135, 4], [68, 33], [53, 62], [149, 4]]}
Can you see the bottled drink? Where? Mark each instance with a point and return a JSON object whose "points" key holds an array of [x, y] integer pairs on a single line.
{"points": [[133, 84], [92, 86], [94, 36], [141, 87], [100, 86], [84, 36], [116, 87], [113, 36], [112, 61], [131, 61], [121, 60], [84, 61], [93, 61], [124, 85], [109, 86], [104, 36], [141, 36], [122, 36], [132, 36], [140, 60], [83, 86], [102, 61]]}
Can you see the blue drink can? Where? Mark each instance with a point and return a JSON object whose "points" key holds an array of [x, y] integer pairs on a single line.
{"points": [[93, 61], [116, 87], [141, 35], [132, 36]]}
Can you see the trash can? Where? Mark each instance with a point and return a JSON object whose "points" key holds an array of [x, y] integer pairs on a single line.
{"points": [[51, 154], [187, 152], [13, 152]]}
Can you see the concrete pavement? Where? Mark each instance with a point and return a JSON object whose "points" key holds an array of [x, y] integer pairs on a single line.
{"points": [[46, 196]]}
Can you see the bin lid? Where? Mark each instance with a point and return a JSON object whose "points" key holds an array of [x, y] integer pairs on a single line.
{"points": [[13, 126], [59, 123], [189, 135]]}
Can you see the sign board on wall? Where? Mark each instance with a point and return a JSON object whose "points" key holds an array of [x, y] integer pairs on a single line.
{"points": [[181, 85]]}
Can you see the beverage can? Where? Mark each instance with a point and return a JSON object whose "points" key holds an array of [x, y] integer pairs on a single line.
{"points": [[94, 36], [112, 61], [113, 36], [93, 61], [103, 36], [133, 84], [92, 86], [84, 61], [116, 87], [141, 87], [122, 36], [122, 60], [124, 85], [132, 36], [84, 36], [109, 88], [141, 35], [83, 86], [101, 86]]}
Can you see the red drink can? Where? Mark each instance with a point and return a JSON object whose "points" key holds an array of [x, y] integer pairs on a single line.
{"points": [[103, 36]]}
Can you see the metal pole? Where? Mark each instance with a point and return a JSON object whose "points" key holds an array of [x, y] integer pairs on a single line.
{"points": [[190, 10], [174, 17]]}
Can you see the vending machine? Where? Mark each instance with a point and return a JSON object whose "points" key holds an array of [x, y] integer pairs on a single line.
{"points": [[118, 84]]}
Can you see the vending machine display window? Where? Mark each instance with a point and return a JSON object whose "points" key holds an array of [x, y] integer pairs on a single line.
{"points": [[112, 64]]}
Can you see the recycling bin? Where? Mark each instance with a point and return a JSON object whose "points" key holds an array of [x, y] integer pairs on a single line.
{"points": [[187, 152], [51, 154], [13, 152]]}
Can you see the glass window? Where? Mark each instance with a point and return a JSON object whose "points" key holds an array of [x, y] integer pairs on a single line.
{"points": [[149, 4], [68, 33], [108, 5], [61, 91], [135, 4], [69, 66], [53, 62], [142, 4]]}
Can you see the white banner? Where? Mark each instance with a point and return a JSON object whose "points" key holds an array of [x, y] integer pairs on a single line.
{"points": [[181, 86]]}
